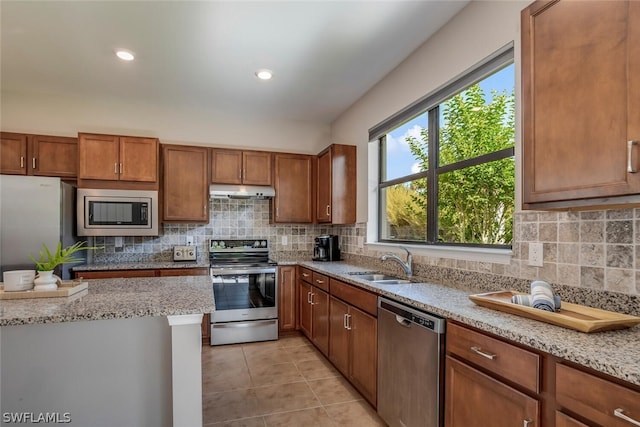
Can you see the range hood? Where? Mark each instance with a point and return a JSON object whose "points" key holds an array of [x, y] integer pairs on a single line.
{"points": [[220, 191]]}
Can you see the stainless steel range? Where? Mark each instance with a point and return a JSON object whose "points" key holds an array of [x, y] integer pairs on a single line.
{"points": [[245, 291]]}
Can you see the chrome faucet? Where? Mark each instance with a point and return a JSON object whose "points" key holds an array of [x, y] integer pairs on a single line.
{"points": [[396, 258]]}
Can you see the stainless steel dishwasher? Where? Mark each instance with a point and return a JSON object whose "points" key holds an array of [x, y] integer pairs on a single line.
{"points": [[410, 366]]}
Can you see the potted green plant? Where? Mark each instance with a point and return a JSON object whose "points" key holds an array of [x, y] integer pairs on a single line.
{"points": [[48, 261]]}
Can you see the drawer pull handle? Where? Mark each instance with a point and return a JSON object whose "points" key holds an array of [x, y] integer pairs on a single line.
{"points": [[319, 281], [479, 351], [305, 275], [619, 412], [630, 167], [527, 423]]}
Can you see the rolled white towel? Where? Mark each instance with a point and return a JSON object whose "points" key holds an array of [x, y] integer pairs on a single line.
{"points": [[526, 300]]}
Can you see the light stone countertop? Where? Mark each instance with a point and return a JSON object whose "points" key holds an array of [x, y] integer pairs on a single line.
{"points": [[141, 265], [616, 353], [115, 299]]}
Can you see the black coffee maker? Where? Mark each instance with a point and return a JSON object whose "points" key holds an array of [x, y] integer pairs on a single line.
{"points": [[326, 248]]}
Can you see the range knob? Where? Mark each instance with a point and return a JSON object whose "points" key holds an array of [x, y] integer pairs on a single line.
{"points": [[256, 244]]}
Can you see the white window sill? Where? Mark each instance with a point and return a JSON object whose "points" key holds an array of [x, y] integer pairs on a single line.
{"points": [[497, 256]]}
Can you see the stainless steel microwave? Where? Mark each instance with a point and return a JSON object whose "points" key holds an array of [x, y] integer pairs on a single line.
{"points": [[117, 212]]}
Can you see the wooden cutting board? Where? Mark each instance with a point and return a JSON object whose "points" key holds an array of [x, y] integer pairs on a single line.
{"points": [[65, 289], [573, 316]]}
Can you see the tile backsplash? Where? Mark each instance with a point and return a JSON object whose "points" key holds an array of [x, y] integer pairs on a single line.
{"points": [[598, 250]]}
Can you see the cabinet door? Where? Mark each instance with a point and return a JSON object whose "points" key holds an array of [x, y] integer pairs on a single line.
{"points": [[323, 200], [287, 298], [98, 157], [343, 184], [339, 336], [53, 156], [13, 153], [475, 399], [256, 168], [304, 307], [226, 166], [293, 202], [320, 322], [185, 183], [576, 95], [363, 349], [138, 159]]}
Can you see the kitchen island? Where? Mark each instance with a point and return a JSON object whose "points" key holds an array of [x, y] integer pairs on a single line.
{"points": [[124, 352]]}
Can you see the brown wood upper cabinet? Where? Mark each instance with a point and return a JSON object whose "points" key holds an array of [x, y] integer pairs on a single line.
{"points": [[580, 103], [41, 155], [185, 183], [117, 158], [336, 181], [240, 167], [293, 182]]}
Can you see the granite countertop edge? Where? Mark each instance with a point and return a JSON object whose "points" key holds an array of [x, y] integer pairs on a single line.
{"points": [[120, 298], [141, 265], [613, 352]]}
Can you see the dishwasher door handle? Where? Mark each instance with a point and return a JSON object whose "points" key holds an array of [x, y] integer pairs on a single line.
{"points": [[404, 322]]}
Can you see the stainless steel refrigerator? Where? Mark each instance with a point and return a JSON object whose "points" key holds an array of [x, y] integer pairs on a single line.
{"points": [[35, 210]]}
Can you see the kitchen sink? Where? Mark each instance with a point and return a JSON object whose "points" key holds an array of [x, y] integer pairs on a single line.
{"points": [[380, 279]]}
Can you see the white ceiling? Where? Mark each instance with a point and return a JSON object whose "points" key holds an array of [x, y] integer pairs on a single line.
{"points": [[203, 54]]}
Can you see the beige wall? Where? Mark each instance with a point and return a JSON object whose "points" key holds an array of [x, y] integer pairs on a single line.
{"points": [[66, 116], [477, 31]]}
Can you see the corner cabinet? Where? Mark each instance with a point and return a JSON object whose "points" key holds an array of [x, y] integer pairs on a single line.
{"points": [[336, 181], [185, 195], [294, 184], [240, 167], [117, 158], [40, 155], [581, 104]]}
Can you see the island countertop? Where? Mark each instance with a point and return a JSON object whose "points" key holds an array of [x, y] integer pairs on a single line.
{"points": [[119, 298]]}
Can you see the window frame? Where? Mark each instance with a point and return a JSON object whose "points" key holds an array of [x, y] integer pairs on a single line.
{"points": [[430, 104]]}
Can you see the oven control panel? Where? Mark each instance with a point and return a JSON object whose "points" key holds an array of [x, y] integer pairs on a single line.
{"points": [[184, 253], [217, 244]]}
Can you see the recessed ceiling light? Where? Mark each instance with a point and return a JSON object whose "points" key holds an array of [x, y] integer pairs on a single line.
{"points": [[264, 74], [125, 55]]}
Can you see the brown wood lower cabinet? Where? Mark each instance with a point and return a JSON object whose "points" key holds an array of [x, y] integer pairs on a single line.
{"points": [[596, 399], [353, 346], [287, 301], [313, 305], [476, 399]]}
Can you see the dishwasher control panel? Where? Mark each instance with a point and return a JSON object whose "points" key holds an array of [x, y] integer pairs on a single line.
{"points": [[428, 321]]}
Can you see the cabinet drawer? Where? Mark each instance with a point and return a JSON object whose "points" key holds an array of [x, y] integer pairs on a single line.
{"points": [[321, 281], [513, 363], [563, 420], [114, 274], [365, 301], [595, 398], [306, 275]]}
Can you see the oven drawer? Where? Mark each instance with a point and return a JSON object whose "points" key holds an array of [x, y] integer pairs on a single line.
{"points": [[235, 332]]}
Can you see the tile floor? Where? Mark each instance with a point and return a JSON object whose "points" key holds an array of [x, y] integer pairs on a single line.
{"points": [[278, 383]]}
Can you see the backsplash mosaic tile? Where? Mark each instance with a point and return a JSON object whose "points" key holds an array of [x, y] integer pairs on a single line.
{"points": [[597, 250]]}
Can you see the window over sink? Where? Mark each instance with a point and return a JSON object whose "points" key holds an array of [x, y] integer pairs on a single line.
{"points": [[446, 165]]}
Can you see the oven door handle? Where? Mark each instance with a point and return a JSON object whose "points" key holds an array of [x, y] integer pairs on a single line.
{"points": [[247, 324], [240, 271]]}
